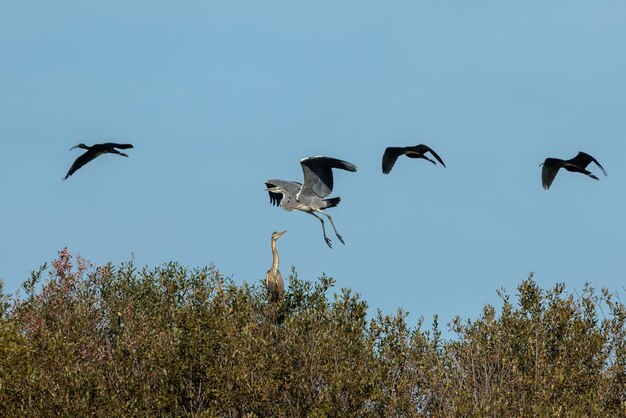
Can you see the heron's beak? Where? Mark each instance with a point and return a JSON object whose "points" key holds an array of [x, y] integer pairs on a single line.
{"points": [[282, 232]]}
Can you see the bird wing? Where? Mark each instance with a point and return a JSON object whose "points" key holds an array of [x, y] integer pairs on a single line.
{"points": [[550, 167], [281, 188], [389, 158], [114, 145], [81, 161], [582, 160], [426, 148], [318, 174]]}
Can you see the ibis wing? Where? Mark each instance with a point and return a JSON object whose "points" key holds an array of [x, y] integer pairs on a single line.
{"points": [[590, 158], [120, 146], [318, 174], [548, 172], [582, 160], [81, 161], [390, 156], [601, 168], [428, 149]]}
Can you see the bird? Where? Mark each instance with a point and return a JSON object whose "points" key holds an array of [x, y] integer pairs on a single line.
{"points": [[273, 278], [310, 196], [392, 153], [578, 164], [93, 152]]}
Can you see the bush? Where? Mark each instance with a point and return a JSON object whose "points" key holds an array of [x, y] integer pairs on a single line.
{"points": [[122, 341]]}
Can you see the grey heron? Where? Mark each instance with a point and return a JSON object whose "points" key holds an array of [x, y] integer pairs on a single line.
{"points": [[578, 164], [93, 152], [273, 278], [310, 196], [417, 151]]}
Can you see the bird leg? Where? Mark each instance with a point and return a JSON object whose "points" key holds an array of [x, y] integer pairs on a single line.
{"points": [[426, 158], [114, 151], [581, 170], [333, 225], [323, 229]]}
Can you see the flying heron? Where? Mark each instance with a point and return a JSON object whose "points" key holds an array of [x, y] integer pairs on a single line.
{"points": [[392, 153], [273, 278], [93, 152], [578, 164], [310, 196]]}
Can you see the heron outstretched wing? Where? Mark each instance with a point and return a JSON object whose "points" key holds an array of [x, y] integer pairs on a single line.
{"points": [[277, 189], [550, 168], [318, 174]]}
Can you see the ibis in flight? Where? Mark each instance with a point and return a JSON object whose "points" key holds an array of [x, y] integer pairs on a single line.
{"points": [[418, 151], [95, 151], [578, 164]]}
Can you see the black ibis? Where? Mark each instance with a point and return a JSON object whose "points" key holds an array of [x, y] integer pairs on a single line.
{"points": [[392, 153], [95, 151], [578, 164]]}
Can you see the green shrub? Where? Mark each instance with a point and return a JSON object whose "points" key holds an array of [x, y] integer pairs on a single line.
{"points": [[122, 341]]}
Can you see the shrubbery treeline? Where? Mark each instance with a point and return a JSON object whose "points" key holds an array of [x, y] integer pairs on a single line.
{"points": [[122, 341]]}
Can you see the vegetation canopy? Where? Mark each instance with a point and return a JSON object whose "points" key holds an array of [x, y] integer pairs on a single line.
{"points": [[124, 341]]}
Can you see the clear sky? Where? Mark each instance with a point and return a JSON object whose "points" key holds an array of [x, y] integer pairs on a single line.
{"points": [[217, 97]]}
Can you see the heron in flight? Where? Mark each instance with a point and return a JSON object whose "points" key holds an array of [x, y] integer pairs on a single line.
{"points": [[578, 164], [273, 278], [93, 152], [310, 196], [392, 153]]}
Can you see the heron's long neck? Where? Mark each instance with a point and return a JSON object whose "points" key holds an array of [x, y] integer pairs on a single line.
{"points": [[274, 256]]}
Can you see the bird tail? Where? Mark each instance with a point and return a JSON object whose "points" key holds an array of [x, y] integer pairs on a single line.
{"points": [[332, 202]]}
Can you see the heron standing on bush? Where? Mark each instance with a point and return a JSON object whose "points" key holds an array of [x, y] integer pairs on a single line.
{"points": [[273, 278]]}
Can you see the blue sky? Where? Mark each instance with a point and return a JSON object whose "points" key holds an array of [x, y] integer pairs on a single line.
{"points": [[217, 97]]}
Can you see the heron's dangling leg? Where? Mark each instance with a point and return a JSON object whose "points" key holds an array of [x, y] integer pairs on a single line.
{"points": [[333, 225], [323, 229]]}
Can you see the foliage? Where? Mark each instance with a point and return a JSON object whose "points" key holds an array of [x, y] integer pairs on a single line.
{"points": [[123, 341]]}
